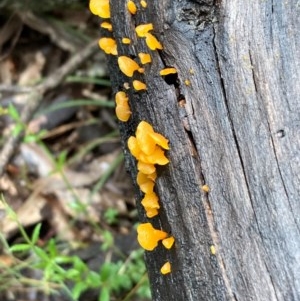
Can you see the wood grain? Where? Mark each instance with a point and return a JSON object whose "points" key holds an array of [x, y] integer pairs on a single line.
{"points": [[236, 128]]}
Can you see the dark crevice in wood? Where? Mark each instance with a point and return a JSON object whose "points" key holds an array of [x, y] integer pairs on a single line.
{"points": [[222, 85], [252, 69]]}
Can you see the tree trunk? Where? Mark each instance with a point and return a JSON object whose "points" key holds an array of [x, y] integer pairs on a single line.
{"points": [[233, 121]]}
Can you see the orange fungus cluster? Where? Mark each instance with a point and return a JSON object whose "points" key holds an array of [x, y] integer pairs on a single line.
{"points": [[147, 146], [148, 237], [122, 106]]}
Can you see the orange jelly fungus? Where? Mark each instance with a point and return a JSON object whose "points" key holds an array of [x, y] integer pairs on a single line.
{"points": [[133, 146], [150, 201], [146, 168], [168, 242], [152, 42], [167, 71], [126, 41], [131, 7], [108, 45], [157, 157], [122, 107], [205, 188], [142, 29], [100, 8], [143, 3], [138, 85], [147, 145], [148, 237], [187, 82], [123, 112], [146, 184], [145, 58], [127, 65], [151, 212], [166, 268], [160, 140], [152, 176], [106, 25]]}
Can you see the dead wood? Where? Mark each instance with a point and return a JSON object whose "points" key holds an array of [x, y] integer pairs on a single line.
{"points": [[232, 118]]}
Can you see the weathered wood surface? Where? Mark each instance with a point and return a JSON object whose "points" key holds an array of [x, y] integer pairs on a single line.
{"points": [[243, 140]]}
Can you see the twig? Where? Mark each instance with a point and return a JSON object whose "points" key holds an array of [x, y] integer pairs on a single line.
{"points": [[35, 97]]}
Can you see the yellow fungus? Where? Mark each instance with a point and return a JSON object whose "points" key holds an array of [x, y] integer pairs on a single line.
{"points": [[141, 70], [151, 212], [205, 188], [146, 168], [152, 42], [187, 82], [143, 29], [143, 3], [142, 133], [166, 268], [152, 176], [123, 112], [145, 58], [148, 237], [160, 140], [157, 157], [100, 8], [146, 185], [106, 25], [126, 41], [167, 71], [168, 242], [121, 97], [212, 250], [108, 45], [127, 65], [131, 7], [150, 201], [138, 85], [122, 107], [133, 146]]}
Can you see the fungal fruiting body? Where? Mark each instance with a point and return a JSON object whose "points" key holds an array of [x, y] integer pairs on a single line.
{"points": [[127, 65], [168, 242], [131, 7], [212, 250], [143, 3], [152, 42], [126, 41], [148, 148], [108, 45], [167, 71], [106, 25], [150, 201], [143, 29], [166, 268], [122, 106], [145, 58], [100, 8], [205, 188], [148, 237], [138, 85], [187, 82]]}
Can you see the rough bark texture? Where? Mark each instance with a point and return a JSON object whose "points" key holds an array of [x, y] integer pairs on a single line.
{"points": [[236, 127]]}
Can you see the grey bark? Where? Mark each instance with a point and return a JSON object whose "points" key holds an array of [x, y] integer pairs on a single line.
{"points": [[238, 131]]}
